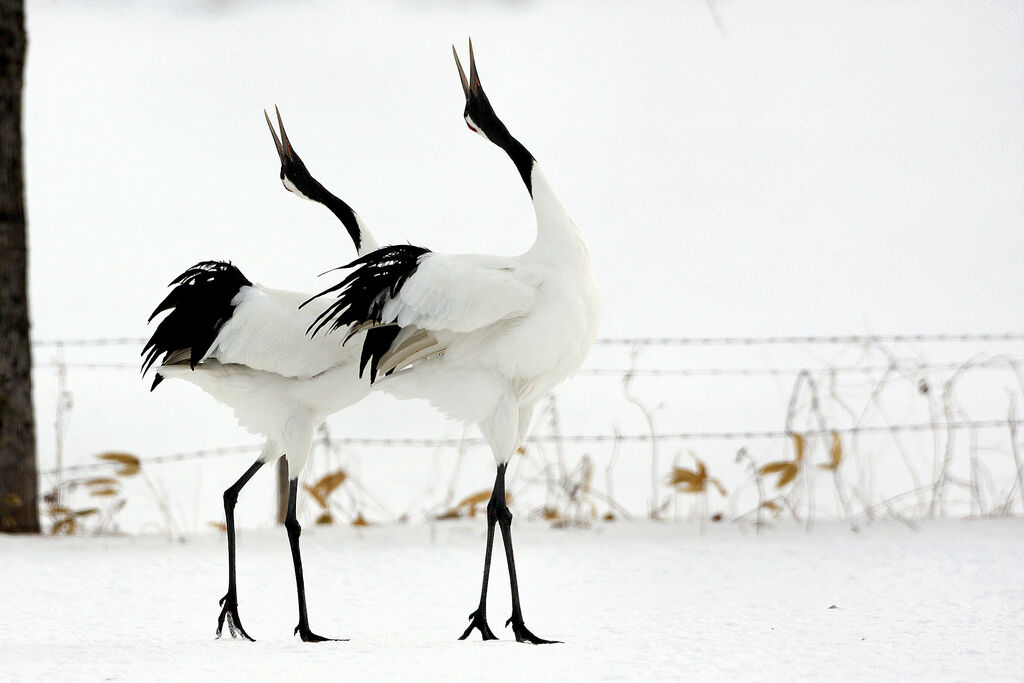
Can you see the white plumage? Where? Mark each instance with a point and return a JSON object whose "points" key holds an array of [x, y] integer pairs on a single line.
{"points": [[248, 347], [280, 383], [510, 328], [482, 338]]}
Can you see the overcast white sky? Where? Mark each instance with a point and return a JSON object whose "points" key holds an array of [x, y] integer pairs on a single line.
{"points": [[821, 167], [808, 167]]}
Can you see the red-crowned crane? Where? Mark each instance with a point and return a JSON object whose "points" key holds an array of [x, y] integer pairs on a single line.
{"points": [[246, 345], [482, 338]]}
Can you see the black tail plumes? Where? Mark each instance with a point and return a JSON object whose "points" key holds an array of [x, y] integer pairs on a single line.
{"points": [[376, 278], [199, 305]]}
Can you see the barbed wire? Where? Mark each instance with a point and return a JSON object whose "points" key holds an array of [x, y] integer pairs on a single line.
{"points": [[73, 343], [684, 372], [661, 341], [841, 339], [571, 438], [837, 369]]}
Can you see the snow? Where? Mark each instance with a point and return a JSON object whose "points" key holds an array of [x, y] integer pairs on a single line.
{"points": [[637, 601]]}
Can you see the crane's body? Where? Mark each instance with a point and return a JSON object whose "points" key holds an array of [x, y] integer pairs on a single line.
{"points": [[275, 392], [246, 345], [482, 338]]}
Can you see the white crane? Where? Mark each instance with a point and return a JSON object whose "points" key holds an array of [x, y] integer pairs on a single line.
{"points": [[246, 345], [482, 338]]}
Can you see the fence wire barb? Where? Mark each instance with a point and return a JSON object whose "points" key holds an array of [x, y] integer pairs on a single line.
{"points": [[846, 339], [565, 438], [664, 341], [675, 372]]}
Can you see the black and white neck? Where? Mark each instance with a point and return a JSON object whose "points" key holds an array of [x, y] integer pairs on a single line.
{"points": [[481, 119], [297, 179], [558, 238]]}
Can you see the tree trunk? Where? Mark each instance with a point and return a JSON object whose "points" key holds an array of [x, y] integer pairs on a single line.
{"points": [[18, 477]]}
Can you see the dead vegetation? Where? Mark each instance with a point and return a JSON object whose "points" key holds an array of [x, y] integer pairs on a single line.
{"points": [[823, 461]]}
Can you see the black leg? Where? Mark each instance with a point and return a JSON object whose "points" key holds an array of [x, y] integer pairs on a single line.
{"points": [[292, 525], [229, 603], [478, 619], [523, 634]]}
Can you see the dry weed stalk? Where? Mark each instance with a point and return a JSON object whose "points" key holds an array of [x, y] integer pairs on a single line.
{"points": [[825, 424]]}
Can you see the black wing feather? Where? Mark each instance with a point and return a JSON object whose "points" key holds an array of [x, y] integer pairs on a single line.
{"points": [[199, 305], [375, 279]]}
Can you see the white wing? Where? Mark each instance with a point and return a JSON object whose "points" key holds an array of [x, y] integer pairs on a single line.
{"points": [[460, 293], [267, 331]]}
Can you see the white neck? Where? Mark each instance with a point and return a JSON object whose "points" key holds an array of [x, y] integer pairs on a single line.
{"points": [[367, 243], [558, 238]]}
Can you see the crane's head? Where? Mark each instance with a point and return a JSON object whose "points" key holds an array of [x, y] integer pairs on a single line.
{"points": [[294, 175], [479, 114]]}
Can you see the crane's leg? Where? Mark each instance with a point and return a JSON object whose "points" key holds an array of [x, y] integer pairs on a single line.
{"points": [[229, 603], [523, 634], [292, 525], [478, 619]]}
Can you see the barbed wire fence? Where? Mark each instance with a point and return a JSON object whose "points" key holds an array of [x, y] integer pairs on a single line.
{"points": [[940, 451]]}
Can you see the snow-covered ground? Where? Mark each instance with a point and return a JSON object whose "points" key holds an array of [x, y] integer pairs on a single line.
{"points": [[631, 601]]}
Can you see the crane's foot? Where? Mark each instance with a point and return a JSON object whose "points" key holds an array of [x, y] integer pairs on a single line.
{"points": [[478, 619], [523, 634], [229, 614], [302, 630]]}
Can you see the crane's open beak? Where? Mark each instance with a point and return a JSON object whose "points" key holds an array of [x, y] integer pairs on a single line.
{"points": [[472, 86], [285, 151]]}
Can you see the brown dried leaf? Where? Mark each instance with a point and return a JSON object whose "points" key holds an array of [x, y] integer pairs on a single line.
{"points": [[788, 475], [608, 517], [325, 518], [550, 513], [360, 520], [123, 458], [771, 505], [321, 501], [451, 514], [692, 486], [55, 510], [64, 526], [773, 467], [835, 452], [718, 485], [325, 486], [218, 525], [130, 465], [702, 471], [474, 499], [104, 492], [331, 481], [681, 475], [798, 446], [102, 481], [86, 512]]}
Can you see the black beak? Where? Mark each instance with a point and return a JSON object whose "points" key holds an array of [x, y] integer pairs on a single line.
{"points": [[284, 151], [472, 86]]}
